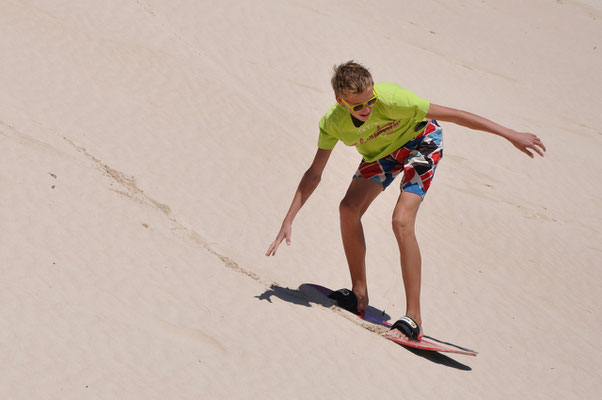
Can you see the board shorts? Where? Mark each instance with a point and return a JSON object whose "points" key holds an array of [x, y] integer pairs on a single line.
{"points": [[417, 159]]}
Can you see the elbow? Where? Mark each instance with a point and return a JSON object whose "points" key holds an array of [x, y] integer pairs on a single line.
{"points": [[312, 177]]}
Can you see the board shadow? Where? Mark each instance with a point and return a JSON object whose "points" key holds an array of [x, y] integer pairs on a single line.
{"points": [[438, 358], [306, 297]]}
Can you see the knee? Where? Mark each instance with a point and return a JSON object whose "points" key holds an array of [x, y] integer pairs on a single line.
{"points": [[349, 209], [403, 226]]}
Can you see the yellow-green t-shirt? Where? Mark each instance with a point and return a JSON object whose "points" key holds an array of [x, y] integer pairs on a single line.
{"points": [[392, 123]]}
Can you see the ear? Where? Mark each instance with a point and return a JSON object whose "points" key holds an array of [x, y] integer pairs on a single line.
{"points": [[339, 101]]}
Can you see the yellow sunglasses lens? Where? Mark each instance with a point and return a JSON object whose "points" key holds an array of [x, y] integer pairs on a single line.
{"points": [[369, 103]]}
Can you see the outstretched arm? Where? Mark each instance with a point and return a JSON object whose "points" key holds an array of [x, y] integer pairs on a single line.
{"points": [[523, 141], [308, 184]]}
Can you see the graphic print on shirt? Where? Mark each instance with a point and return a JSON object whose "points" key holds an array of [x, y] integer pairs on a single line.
{"points": [[380, 130]]}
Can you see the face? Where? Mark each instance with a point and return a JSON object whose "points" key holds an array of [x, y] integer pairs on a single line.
{"points": [[349, 100]]}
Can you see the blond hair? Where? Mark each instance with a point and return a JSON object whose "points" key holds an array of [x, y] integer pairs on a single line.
{"points": [[352, 77]]}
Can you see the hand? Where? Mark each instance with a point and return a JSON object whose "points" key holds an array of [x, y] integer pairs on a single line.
{"points": [[285, 233], [526, 141]]}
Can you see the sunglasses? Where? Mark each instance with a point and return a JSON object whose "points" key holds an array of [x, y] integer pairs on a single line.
{"points": [[360, 106]]}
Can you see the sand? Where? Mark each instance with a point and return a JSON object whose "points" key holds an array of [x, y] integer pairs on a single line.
{"points": [[151, 149]]}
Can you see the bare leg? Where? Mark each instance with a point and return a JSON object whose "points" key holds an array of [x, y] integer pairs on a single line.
{"points": [[404, 219], [358, 198]]}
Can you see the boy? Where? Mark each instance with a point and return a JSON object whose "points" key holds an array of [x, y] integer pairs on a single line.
{"points": [[395, 131]]}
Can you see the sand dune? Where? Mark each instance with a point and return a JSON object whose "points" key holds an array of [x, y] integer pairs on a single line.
{"points": [[150, 150]]}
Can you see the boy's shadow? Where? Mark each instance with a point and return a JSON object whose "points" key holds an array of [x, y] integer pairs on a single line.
{"points": [[309, 294], [295, 296]]}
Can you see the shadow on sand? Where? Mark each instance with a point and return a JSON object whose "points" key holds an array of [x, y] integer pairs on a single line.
{"points": [[307, 295]]}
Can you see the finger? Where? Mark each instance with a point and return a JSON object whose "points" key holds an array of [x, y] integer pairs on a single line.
{"points": [[540, 144], [537, 142], [535, 147], [272, 249]]}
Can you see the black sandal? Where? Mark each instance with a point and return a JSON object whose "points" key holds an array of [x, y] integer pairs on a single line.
{"points": [[346, 299], [408, 327]]}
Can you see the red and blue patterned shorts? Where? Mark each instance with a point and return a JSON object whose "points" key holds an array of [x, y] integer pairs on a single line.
{"points": [[417, 159]]}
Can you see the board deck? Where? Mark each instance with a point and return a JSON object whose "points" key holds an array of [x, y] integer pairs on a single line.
{"points": [[376, 317]]}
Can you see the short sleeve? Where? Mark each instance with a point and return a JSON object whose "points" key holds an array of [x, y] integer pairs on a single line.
{"points": [[326, 141]]}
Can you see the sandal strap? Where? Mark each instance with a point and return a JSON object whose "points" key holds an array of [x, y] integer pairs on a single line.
{"points": [[408, 327], [345, 299]]}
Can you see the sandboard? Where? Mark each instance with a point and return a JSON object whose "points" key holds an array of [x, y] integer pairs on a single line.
{"points": [[375, 316]]}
